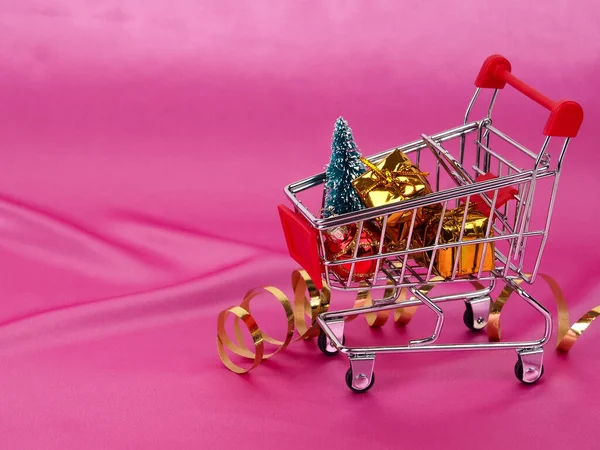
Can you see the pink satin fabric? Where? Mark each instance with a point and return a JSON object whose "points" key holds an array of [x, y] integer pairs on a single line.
{"points": [[145, 145]]}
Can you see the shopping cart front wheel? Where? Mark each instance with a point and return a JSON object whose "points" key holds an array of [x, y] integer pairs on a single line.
{"points": [[529, 367], [326, 346], [359, 383]]}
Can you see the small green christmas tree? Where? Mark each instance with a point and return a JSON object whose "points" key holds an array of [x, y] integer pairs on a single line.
{"points": [[343, 168]]}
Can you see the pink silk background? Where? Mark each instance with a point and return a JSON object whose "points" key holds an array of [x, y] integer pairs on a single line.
{"points": [[145, 145]]}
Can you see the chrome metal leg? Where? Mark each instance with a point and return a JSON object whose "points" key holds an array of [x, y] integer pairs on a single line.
{"points": [[337, 328], [390, 296], [438, 325], [538, 306]]}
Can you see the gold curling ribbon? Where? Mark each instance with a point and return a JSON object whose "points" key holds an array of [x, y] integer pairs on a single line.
{"points": [[318, 302], [577, 329], [303, 309], [402, 316], [566, 335], [374, 319]]}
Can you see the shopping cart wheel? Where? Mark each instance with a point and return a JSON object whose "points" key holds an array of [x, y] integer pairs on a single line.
{"points": [[359, 390], [325, 346], [476, 314], [529, 367]]}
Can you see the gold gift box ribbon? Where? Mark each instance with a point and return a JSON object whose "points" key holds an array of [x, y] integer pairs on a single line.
{"points": [[318, 301], [397, 179]]}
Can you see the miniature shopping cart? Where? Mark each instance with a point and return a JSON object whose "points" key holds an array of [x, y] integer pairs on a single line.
{"points": [[475, 160]]}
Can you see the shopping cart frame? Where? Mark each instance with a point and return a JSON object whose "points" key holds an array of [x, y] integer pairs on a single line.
{"points": [[394, 271]]}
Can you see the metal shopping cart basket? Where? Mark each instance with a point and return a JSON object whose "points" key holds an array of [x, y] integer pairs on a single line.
{"points": [[484, 164]]}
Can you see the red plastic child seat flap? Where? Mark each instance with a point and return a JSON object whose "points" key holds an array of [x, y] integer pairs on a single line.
{"points": [[504, 195], [301, 241]]}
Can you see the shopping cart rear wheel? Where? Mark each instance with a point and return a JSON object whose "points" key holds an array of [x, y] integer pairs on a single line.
{"points": [[323, 343], [350, 375], [469, 320], [520, 375]]}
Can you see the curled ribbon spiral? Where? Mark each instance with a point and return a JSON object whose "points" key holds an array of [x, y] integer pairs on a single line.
{"points": [[566, 336], [302, 315], [303, 309]]}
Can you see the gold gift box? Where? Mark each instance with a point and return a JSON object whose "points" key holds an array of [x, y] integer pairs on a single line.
{"points": [[470, 257], [392, 180]]}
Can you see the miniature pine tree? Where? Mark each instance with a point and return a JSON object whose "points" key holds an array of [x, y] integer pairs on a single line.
{"points": [[343, 168]]}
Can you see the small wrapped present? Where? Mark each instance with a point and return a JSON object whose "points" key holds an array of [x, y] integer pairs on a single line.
{"points": [[340, 243], [392, 180], [470, 257]]}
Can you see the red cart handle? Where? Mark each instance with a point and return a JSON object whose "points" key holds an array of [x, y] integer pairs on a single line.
{"points": [[565, 115]]}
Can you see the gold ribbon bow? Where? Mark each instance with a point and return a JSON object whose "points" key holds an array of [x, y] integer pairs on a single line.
{"points": [[390, 178], [318, 302]]}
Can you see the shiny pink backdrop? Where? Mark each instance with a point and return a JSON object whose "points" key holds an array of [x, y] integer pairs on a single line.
{"points": [[145, 145]]}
